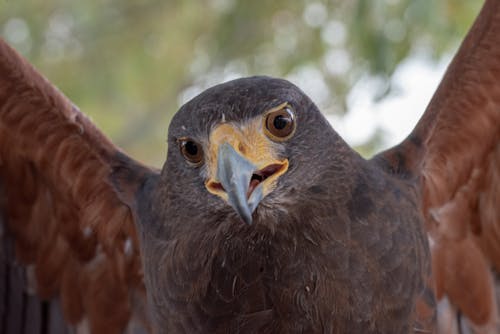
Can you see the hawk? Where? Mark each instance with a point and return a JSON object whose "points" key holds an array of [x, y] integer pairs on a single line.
{"points": [[261, 220]]}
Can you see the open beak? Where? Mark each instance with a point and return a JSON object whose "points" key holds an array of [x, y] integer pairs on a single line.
{"points": [[243, 180], [235, 173]]}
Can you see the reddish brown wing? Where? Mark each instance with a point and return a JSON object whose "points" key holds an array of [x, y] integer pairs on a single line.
{"points": [[60, 206], [455, 149]]}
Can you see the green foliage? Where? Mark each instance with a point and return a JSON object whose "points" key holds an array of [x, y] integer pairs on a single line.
{"points": [[129, 64]]}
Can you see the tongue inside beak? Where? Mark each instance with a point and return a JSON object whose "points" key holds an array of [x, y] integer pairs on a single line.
{"points": [[261, 175]]}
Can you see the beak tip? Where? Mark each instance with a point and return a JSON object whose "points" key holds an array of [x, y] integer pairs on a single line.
{"points": [[245, 214], [247, 220], [234, 172]]}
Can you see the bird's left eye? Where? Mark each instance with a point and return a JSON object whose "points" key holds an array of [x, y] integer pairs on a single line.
{"points": [[191, 150], [279, 123]]}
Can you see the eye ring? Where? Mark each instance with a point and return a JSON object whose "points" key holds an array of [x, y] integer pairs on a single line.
{"points": [[279, 122], [191, 150]]}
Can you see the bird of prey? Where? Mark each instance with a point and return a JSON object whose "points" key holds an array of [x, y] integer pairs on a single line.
{"points": [[262, 220]]}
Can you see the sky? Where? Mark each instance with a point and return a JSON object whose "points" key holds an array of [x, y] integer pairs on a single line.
{"points": [[414, 82]]}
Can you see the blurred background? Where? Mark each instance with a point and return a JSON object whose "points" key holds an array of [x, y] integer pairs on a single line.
{"points": [[370, 65]]}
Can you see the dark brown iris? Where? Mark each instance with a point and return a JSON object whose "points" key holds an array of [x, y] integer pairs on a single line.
{"points": [[280, 124], [191, 150]]}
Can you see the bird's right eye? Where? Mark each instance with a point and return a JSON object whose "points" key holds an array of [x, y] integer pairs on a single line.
{"points": [[191, 150]]}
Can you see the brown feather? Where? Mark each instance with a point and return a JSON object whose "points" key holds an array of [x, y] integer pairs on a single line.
{"points": [[61, 206], [455, 148], [70, 204]]}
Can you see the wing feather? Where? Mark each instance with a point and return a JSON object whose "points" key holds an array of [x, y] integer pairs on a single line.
{"points": [[455, 153], [68, 219]]}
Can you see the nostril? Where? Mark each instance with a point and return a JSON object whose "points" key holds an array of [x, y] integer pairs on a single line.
{"points": [[241, 148], [215, 186]]}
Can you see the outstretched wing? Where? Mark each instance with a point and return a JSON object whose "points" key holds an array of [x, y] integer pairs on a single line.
{"points": [[70, 226], [455, 150]]}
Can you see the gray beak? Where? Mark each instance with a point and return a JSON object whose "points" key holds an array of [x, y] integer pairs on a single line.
{"points": [[235, 173]]}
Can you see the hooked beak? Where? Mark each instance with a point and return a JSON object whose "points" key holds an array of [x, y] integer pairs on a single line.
{"points": [[235, 173], [242, 166], [241, 180]]}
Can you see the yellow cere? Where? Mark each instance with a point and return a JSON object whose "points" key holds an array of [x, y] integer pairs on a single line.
{"points": [[250, 141]]}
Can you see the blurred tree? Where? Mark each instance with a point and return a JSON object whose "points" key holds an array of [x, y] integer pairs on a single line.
{"points": [[130, 64]]}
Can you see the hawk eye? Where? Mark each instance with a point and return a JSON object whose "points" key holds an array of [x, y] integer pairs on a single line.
{"points": [[191, 150], [279, 123]]}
